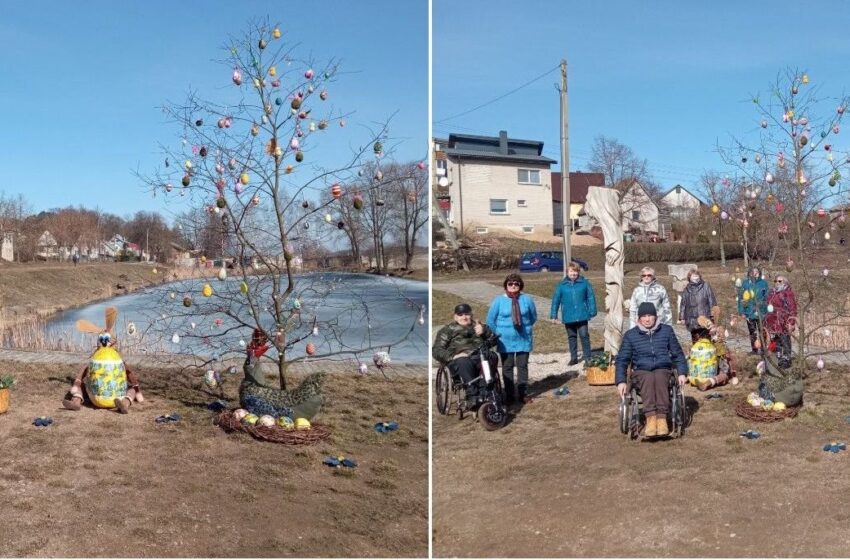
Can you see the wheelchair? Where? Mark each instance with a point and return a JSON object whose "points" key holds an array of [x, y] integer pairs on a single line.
{"points": [[450, 392], [632, 419]]}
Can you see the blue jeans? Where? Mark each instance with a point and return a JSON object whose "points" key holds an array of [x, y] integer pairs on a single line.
{"points": [[578, 329]]}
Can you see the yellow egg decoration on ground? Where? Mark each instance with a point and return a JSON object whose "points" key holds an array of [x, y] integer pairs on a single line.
{"points": [[778, 406], [302, 424], [250, 419], [207, 290], [286, 423], [107, 377]]}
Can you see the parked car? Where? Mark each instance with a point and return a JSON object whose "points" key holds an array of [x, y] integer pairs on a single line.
{"points": [[544, 261]]}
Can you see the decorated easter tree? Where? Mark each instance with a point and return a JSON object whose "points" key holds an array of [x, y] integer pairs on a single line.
{"points": [[249, 160], [789, 180]]}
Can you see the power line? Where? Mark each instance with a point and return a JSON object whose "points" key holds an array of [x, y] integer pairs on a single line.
{"points": [[528, 83]]}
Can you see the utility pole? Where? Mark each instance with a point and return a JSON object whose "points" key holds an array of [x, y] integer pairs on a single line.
{"points": [[567, 228]]}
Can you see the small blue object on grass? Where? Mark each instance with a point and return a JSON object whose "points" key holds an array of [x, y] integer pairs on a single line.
{"points": [[173, 417], [835, 446], [561, 392], [847, 419], [714, 395], [339, 461], [42, 421], [217, 406], [750, 434], [384, 427]]}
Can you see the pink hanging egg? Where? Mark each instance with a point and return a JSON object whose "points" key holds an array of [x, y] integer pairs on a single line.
{"points": [[294, 144], [421, 165], [309, 74], [836, 129], [275, 83], [237, 77], [238, 188]]}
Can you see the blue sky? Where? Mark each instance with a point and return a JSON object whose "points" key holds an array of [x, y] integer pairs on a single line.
{"points": [[669, 79], [83, 83]]}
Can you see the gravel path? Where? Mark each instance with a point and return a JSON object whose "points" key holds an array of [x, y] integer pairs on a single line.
{"points": [[543, 365]]}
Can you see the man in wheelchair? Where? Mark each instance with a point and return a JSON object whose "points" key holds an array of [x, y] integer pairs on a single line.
{"points": [[653, 352], [454, 344]]}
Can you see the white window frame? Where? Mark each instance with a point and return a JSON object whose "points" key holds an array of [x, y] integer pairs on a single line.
{"points": [[522, 203], [507, 207], [481, 230], [442, 167], [528, 229], [528, 180]]}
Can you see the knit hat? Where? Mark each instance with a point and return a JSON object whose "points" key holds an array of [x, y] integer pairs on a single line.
{"points": [[647, 308]]}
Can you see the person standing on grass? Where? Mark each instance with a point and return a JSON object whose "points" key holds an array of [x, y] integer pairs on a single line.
{"points": [[652, 291], [574, 297], [752, 304], [697, 301], [512, 316], [781, 318]]}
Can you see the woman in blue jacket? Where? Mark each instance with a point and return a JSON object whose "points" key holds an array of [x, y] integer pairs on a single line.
{"points": [[574, 297], [752, 304], [512, 316]]}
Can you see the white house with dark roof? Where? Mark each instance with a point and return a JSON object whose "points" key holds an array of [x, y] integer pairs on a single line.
{"points": [[493, 183], [682, 203]]}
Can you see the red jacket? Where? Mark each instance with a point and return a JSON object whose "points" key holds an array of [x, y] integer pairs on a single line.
{"points": [[784, 315]]}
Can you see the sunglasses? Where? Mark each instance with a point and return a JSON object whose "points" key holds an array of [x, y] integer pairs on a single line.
{"points": [[513, 283], [779, 281], [646, 275]]}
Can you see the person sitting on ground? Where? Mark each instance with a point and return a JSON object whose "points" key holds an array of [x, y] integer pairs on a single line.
{"points": [[653, 352], [455, 342]]}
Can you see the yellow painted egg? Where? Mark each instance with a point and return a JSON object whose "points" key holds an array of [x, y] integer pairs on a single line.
{"points": [[302, 424], [286, 423], [244, 178], [207, 290], [107, 377], [276, 33], [250, 419], [243, 287], [779, 406]]}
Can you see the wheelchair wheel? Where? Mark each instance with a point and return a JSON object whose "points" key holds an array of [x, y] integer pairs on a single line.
{"points": [[443, 390], [623, 416], [634, 416], [679, 417], [492, 416]]}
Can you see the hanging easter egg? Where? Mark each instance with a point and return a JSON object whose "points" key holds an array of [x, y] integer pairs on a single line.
{"points": [[826, 272], [794, 90], [746, 295], [244, 178], [738, 282], [192, 325], [255, 130], [272, 71], [823, 134], [187, 301], [299, 156], [804, 121], [168, 187], [340, 225], [323, 124], [232, 164], [255, 200], [312, 127], [336, 190], [764, 123], [836, 129], [379, 175], [713, 232], [821, 212], [715, 209], [328, 218], [758, 158], [357, 201], [222, 274], [309, 74], [770, 308], [219, 168], [306, 225], [826, 236], [175, 339], [743, 160], [378, 148], [294, 144], [207, 290], [211, 379], [268, 108], [276, 83], [278, 101], [323, 95], [238, 188], [780, 207], [221, 202], [186, 180], [831, 182], [803, 140], [237, 78], [315, 331], [276, 33], [363, 369], [220, 122], [289, 169], [278, 152], [262, 44], [380, 202], [782, 228], [296, 103], [805, 79], [243, 288], [203, 151], [820, 363], [724, 215], [770, 198], [310, 348], [827, 332]]}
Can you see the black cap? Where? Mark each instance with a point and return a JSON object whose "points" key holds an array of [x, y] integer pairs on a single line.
{"points": [[462, 308], [647, 308]]}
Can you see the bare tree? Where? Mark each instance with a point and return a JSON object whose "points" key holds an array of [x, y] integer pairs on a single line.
{"points": [[248, 159]]}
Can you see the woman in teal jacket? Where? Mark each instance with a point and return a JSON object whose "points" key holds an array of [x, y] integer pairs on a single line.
{"points": [[512, 316], [574, 297], [752, 304]]}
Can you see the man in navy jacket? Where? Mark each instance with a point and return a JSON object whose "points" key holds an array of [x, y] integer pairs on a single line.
{"points": [[653, 352]]}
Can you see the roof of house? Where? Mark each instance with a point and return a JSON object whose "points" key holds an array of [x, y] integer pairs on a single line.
{"points": [[687, 191], [580, 183], [497, 148]]}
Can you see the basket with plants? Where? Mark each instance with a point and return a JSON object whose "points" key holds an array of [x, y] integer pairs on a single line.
{"points": [[6, 381], [600, 369]]}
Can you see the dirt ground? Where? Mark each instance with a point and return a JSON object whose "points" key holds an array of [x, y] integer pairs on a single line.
{"points": [[100, 484], [560, 480]]}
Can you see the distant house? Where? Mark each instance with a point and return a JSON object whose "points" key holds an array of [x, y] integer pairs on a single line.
{"points": [[640, 213], [47, 247], [580, 183], [682, 203], [493, 183]]}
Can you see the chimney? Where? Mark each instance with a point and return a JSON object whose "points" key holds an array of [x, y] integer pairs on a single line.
{"points": [[503, 142]]}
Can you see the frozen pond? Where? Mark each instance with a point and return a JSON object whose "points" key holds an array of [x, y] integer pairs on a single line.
{"points": [[350, 312]]}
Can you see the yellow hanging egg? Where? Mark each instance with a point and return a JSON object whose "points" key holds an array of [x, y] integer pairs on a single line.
{"points": [[244, 178], [276, 33], [805, 78], [272, 71], [243, 287], [207, 290], [715, 209]]}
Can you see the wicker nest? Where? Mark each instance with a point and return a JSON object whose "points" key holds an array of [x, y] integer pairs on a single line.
{"points": [[275, 434], [746, 410]]}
